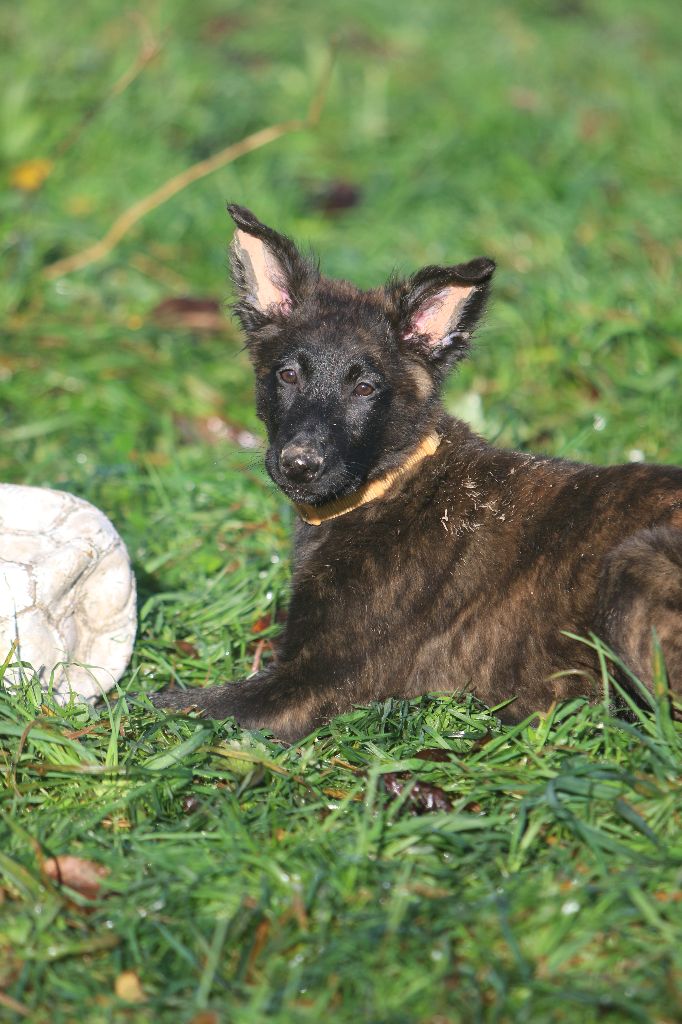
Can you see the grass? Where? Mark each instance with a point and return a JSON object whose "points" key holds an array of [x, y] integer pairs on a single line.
{"points": [[248, 881]]}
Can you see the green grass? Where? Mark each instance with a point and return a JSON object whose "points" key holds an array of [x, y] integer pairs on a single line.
{"points": [[245, 879]]}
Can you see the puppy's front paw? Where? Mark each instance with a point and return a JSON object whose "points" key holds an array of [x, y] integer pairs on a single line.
{"points": [[258, 703], [214, 701]]}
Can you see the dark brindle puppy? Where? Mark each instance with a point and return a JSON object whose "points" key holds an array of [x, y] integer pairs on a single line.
{"points": [[427, 560]]}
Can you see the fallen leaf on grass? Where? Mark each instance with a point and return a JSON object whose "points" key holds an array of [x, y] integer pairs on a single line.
{"points": [[128, 988], [194, 314], [345, 764], [262, 623], [30, 175], [187, 648], [190, 805], [115, 823], [341, 794], [473, 807], [434, 754], [423, 797], [83, 876], [205, 1017], [335, 196], [212, 30]]}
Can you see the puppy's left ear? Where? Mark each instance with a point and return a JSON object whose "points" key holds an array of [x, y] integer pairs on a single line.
{"points": [[440, 308]]}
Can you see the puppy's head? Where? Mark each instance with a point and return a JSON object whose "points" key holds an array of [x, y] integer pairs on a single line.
{"points": [[347, 381]]}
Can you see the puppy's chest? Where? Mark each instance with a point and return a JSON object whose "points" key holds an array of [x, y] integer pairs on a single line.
{"points": [[446, 565], [384, 574]]}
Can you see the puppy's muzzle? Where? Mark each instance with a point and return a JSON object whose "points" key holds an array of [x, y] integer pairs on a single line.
{"points": [[301, 464]]}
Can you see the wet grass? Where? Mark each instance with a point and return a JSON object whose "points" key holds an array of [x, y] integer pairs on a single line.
{"points": [[245, 879]]}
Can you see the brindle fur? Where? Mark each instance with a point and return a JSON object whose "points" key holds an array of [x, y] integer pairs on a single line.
{"points": [[468, 572]]}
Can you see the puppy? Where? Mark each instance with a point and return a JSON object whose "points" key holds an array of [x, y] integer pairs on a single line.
{"points": [[426, 559]]}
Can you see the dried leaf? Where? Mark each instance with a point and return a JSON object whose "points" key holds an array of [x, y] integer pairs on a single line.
{"points": [[262, 623], [423, 796], [335, 196], [434, 754], [668, 897], [340, 794], [473, 807], [190, 313], [30, 175], [429, 798], [128, 988], [213, 30], [205, 1017], [187, 648], [83, 876], [116, 823], [392, 783]]}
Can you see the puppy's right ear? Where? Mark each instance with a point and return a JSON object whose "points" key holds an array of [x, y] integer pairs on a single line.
{"points": [[269, 272]]}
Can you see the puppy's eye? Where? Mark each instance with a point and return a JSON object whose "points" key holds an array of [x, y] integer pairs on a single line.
{"points": [[288, 376], [364, 390]]}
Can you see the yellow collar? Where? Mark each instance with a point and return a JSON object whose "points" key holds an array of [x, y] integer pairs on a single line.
{"points": [[371, 490]]}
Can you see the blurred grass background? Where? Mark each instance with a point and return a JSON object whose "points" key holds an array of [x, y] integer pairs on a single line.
{"points": [[546, 135]]}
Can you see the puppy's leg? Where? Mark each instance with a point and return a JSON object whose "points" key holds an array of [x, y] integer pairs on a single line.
{"points": [[641, 591], [277, 699], [214, 701]]}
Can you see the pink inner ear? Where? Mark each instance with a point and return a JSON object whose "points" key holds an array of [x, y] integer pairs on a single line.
{"points": [[439, 315], [264, 268]]}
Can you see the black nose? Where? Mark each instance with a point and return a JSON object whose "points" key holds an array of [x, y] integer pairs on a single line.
{"points": [[300, 464]]}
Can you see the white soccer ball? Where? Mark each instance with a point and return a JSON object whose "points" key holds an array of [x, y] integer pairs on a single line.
{"points": [[67, 592]]}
